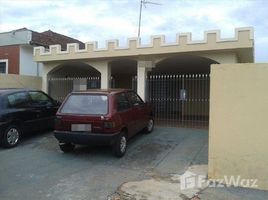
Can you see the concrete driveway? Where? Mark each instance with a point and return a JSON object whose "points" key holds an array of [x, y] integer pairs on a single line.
{"points": [[37, 169]]}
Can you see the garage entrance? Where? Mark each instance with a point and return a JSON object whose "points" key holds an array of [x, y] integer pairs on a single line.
{"points": [[180, 99], [72, 76], [178, 88], [122, 71]]}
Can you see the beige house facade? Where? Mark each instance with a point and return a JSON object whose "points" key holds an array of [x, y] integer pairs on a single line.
{"points": [[174, 77], [135, 59]]}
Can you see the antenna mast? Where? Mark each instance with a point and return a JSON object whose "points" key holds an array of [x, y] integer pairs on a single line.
{"points": [[143, 3]]}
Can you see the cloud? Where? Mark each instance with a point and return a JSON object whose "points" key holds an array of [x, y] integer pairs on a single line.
{"points": [[89, 20]]}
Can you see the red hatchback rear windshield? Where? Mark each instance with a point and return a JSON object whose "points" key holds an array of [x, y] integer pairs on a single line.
{"points": [[89, 104]]}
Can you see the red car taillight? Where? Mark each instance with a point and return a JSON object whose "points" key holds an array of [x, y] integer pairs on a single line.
{"points": [[108, 124]]}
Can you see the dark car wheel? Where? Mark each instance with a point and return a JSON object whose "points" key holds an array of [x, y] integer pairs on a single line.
{"points": [[66, 147], [11, 136], [120, 145], [150, 126]]}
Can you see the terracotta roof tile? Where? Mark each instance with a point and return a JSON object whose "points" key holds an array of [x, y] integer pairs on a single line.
{"points": [[49, 37]]}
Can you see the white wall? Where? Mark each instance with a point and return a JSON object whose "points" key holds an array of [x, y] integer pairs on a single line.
{"points": [[15, 37], [40, 68], [27, 65]]}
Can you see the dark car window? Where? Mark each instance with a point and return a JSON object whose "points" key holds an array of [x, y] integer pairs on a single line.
{"points": [[135, 99], [86, 104], [4, 102], [122, 102], [39, 98], [18, 100]]}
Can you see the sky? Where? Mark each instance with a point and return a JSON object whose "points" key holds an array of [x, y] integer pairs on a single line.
{"points": [[101, 20]]}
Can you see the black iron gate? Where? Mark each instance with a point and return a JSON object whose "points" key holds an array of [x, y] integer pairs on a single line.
{"points": [[180, 100]]}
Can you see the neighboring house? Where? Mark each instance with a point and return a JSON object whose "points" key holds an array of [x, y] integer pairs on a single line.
{"points": [[16, 49]]}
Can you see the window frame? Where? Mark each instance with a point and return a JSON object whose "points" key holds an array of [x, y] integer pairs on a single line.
{"points": [[127, 100], [84, 114], [49, 101], [133, 104], [10, 106], [4, 61]]}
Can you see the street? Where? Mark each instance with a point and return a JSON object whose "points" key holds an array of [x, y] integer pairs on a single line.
{"points": [[37, 169]]}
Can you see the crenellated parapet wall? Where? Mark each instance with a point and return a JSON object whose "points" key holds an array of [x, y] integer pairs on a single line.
{"points": [[243, 39]]}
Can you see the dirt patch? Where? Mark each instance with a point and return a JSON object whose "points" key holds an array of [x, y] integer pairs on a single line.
{"points": [[160, 187]]}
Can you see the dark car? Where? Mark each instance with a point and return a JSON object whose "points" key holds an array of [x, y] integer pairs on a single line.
{"points": [[23, 110], [108, 117]]}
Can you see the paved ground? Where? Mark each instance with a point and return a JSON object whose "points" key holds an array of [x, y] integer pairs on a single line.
{"points": [[37, 169]]}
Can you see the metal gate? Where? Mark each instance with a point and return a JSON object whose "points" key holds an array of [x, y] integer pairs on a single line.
{"points": [[59, 88], [180, 100]]}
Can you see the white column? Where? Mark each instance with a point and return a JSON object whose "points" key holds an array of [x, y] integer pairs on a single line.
{"points": [[105, 71], [46, 69], [142, 69]]}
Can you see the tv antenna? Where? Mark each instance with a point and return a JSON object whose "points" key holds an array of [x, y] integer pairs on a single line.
{"points": [[144, 3]]}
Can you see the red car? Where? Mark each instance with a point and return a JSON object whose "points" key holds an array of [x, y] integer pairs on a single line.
{"points": [[102, 117]]}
